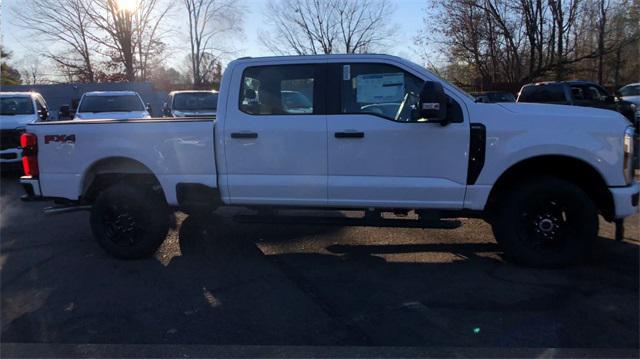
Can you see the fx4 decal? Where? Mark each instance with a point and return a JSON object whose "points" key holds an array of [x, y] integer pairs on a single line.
{"points": [[59, 138]]}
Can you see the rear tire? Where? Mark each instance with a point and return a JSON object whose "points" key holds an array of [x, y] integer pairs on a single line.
{"points": [[129, 221], [546, 222]]}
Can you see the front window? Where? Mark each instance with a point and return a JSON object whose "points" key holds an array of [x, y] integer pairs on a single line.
{"points": [[499, 97], [125, 103], [278, 90], [379, 89], [385, 91], [10, 106], [630, 91], [196, 101]]}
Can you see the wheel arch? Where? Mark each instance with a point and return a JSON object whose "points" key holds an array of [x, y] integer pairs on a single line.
{"points": [[572, 169], [110, 170]]}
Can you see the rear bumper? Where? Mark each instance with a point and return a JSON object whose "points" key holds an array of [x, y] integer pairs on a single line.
{"points": [[32, 189], [11, 155], [625, 200]]}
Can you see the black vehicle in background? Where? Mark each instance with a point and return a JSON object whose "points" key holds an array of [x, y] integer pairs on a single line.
{"points": [[576, 93], [494, 96]]}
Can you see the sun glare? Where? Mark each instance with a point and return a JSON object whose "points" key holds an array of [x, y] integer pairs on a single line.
{"points": [[127, 5]]}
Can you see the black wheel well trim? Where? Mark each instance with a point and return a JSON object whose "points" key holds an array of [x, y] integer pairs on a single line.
{"points": [[569, 168], [108, 171]]}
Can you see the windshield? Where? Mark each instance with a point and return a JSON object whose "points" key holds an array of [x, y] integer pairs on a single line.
{"points": [[120, 103], [10, 106], [196, 101], [501, 97], [630, 91]]}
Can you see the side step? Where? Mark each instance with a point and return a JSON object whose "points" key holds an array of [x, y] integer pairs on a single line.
{"points": [[354, 222], [65, 209]]}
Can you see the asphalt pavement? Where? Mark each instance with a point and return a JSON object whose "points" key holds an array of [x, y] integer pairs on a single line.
{"points": [[217, 287]]}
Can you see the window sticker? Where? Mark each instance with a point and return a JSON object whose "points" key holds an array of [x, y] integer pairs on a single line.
{"points": [[380, 88], [346, 72]]}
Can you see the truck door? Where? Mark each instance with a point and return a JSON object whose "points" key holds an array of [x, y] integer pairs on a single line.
{"points": [[275, 136], [377, 158]]}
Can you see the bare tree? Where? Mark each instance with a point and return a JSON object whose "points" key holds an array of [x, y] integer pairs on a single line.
{"points": [[130, 36], [502, 44], [603, 7], [305, 27], [65, 23], [209, 20], [31, 70]]}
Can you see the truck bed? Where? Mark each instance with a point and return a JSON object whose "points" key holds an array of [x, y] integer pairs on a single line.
{"points": [[175, 150]]}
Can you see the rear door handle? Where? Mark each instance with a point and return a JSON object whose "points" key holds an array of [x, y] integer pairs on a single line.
{"points": [[244, 135], [349, 134]]}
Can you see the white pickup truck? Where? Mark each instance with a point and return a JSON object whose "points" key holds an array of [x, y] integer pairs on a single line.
{"points": [[370, 132]]}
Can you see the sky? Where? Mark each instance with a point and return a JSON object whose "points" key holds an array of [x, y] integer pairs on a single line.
{"points": [[408, 19]]}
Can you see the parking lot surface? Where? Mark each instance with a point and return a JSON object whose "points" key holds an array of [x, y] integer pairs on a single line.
{"points": [[216, 282]]}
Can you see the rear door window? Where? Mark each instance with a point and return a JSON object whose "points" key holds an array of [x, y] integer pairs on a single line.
{"points": [[279, 90]]}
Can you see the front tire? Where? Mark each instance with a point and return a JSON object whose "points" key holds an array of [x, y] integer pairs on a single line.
{"points": [[546, 222], [130, 222]]}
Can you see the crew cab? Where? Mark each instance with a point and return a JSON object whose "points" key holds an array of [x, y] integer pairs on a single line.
{"points": [[376, 133], [17, 109], [191, 104], [115, 105]]}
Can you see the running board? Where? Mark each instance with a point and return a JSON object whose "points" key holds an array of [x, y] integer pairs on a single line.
{"points": [[65, 209], [355, 222]]}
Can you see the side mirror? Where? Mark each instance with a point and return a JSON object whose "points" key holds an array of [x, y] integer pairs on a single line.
{"points": [[433, 103], [64, 112], [44, 114], [166, 111], [148, 108]]}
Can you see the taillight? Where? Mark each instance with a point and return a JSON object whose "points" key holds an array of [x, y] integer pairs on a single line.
{"points": [[29, 144]]}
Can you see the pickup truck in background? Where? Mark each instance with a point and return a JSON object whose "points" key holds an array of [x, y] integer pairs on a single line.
{"points": [[577, 93], [191, 104], [18, 109], [114, 105], [373, 132]]}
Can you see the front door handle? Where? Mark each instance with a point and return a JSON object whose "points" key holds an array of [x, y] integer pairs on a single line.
{"points": [[244, 135], [349, 134]]}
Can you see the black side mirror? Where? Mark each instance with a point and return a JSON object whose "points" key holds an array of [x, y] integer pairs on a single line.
{"points": [[148, 108], [64, 112], [44, 114], [433, 103], [166, 111]]}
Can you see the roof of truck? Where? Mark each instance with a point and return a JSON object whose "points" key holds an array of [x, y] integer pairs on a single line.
{"points": [[192, 91], [320, 57], [568, 82], [110, 93], [17, 94]]}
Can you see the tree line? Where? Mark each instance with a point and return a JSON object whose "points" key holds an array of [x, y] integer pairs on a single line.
{"points": [[478, 44], [503, 44]]}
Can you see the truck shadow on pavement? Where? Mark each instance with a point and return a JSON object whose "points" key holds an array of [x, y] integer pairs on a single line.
{"points": [[263, 284]]}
